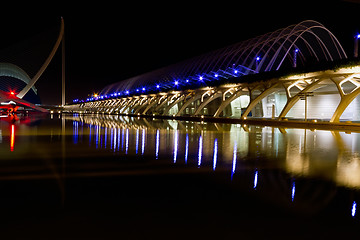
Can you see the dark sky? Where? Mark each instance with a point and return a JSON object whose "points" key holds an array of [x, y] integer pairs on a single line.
{"points": [[106, 43]]}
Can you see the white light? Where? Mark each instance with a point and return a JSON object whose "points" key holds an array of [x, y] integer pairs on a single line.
{"points": [[257, 58], [200, 151], [234, 160], [157, 143], [216, 75], [158, 86], [201, 78], [176, 83]]}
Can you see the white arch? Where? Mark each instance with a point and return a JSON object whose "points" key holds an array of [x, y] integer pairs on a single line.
{"points": [[22, 93]]}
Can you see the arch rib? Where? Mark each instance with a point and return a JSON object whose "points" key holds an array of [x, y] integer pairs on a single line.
{"points": [[253, 103], [292, 100], [46, 63]]}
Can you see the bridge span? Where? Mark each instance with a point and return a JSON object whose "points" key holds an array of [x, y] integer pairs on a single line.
{"points": [[330, 95], [214, 84]]}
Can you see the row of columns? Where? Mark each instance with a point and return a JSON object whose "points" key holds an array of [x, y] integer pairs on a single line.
{"points": [[162, 103]]}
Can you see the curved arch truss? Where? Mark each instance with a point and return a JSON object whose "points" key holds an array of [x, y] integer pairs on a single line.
{"points": [[327, 95], [330, 96], [291, 46]]}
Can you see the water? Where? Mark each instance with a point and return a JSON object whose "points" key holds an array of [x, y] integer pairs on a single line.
{"points": [[110, 177]]}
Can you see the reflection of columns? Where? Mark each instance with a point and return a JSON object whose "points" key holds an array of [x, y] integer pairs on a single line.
{"points": [[186, 147], [63, 102]]}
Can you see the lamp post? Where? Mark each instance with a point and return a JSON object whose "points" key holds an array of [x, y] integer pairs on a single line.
{"points": [[356, 45], [257, 63], [295, 57]]}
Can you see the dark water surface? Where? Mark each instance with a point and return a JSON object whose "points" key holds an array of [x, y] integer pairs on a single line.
{"points": [[112, 177]]}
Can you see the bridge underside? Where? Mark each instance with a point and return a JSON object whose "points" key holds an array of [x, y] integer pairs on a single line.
{"points": [[325, 95]]}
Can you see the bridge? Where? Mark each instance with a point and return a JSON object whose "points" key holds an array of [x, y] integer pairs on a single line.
{"points": [[244, 81]]}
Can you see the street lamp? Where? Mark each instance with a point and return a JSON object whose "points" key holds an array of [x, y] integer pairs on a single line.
{"points": [[356, 45], [295, 57], [257, 63]]}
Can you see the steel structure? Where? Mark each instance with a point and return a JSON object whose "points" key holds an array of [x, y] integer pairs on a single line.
{"points": [[11, 70], [294, 45], [332, 94]]}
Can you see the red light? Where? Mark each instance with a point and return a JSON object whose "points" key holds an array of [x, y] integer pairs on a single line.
{"points": [[12, 93], [12, 137]]}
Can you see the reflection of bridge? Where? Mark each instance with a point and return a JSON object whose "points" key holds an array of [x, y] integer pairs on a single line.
{"points": [[243, 152], [213, 84]]}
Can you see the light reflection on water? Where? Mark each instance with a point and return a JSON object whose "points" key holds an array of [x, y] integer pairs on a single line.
{"points": [[235, 149], [330, 155]]}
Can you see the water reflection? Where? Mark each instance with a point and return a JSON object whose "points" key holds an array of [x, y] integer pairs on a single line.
{"points": [[269, 161], [12, 137], [256, 179], [215, 154], [330, 155], [353, 209]]}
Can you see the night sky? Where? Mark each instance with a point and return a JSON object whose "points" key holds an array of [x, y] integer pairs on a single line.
{"points": [[106, 43]]}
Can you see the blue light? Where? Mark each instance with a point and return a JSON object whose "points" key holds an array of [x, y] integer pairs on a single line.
{"points": [[358, 36], [186, 148], [216, 75], [201, 78], [158, 86], [137, 90], [293, 192], [187, 80], [176, 83], [175, 145], [215, 154], [143, 89], [256, 179], [258, 58], [127, 92], [353, 209], [143, 142], [137, 141], [235, 71], [297, 50]]}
